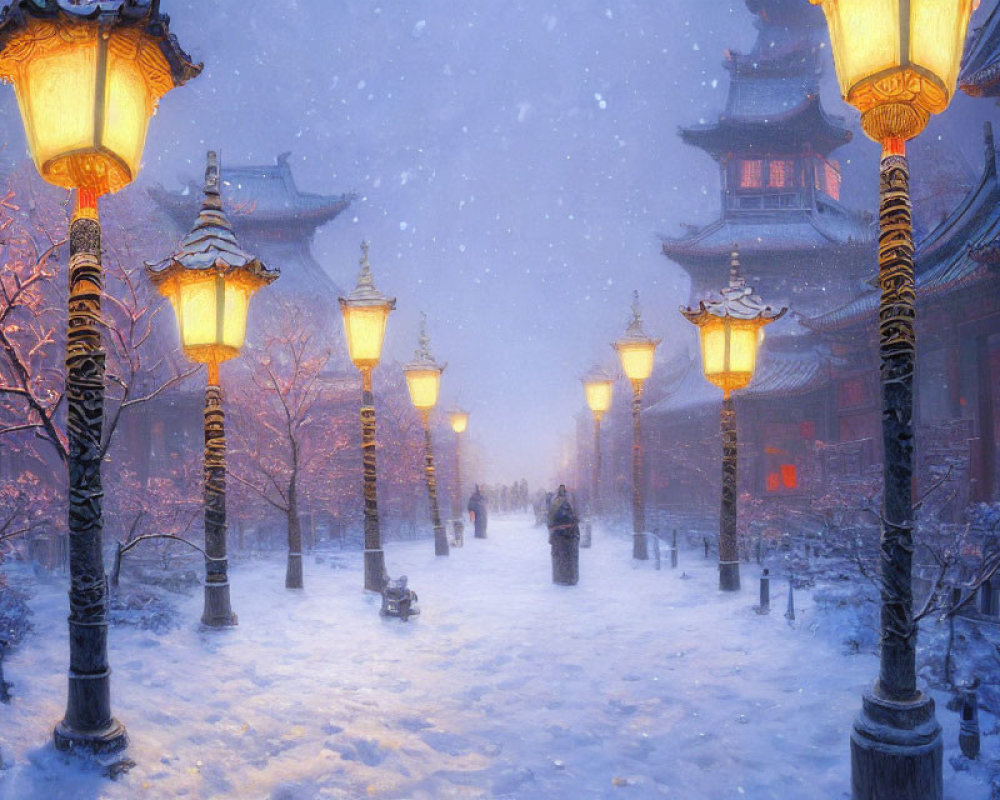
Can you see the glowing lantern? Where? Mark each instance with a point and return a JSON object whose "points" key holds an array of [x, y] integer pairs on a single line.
{"points": [[897, 60], [597, 386], [635, 348], [423, 375], [365, 312], [209, 281], [87, 82], [459, 420], [731, 329]]}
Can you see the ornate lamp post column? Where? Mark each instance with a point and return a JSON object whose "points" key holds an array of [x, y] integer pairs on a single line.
{"points": [[636, 350], [87, 83], [731, 329], [897, 63], [365, 312], [597, 388], [423, 379], [209, 281], [459, 422]]}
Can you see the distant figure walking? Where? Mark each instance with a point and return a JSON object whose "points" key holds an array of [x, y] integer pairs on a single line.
{"points": [[564, 537], [477, 512]]}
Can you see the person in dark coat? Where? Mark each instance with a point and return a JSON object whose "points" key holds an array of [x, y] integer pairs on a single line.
{"points": [[477, 511], [564, 537]]}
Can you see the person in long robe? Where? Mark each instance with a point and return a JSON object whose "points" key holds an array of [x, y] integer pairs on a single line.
{"points": [[564, 538], [477, 511]]}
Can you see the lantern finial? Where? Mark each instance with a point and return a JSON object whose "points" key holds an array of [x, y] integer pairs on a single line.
{"points": [[213, 196], [366, 267], [423, 352], [734, 266]]}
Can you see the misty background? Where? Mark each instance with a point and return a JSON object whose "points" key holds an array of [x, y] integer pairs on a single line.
{"points": [[515, 164]]}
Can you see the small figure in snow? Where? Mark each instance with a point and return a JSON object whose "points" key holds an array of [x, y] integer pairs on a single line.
{"points": [[564, 537], [477, 512], [398, 599]]}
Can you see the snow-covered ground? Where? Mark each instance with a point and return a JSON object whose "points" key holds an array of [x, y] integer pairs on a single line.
{"points": [[633, 684]]}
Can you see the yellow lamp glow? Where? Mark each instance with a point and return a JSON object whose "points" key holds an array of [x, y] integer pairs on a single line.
{"points": [[86, 90], [365, 311], [731, 330], [597, 388], [635, 349], [423, 374], [211, 310], [459, 421], [897, 60]]}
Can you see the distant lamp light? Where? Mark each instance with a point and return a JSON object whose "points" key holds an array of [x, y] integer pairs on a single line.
{"points": [[459, 420], [636, 349], [423, 374], [597, 388]]}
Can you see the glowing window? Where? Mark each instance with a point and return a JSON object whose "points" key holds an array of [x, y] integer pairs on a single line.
{"points": [[780, 174], [750, 174], [789, 477], [832, 174], [773, 482]]}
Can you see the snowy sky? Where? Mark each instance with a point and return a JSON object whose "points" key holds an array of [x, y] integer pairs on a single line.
{"points": [[515, 162]]}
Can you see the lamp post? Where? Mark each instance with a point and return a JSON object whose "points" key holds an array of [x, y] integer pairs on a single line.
{"points": [[423, 379], [636, 350], [597, 388], [731, 329], [365, 312], [459, 422], [897, 62], [209, 281], [87, 83]]}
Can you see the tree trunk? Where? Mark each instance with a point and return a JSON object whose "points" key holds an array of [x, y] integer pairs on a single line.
{"points": [[293, 575]]}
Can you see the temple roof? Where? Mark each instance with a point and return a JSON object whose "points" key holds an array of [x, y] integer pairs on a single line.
{"points": [[980, 76], [257, 197], [779, 232], [783, 122], [952, 256]]}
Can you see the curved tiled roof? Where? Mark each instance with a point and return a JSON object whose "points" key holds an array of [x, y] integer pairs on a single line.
{"points": [[980, 76]]}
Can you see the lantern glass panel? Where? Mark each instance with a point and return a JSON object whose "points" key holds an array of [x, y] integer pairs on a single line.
{"points": [[234, 318], [55, 93], [423, 385], [937, 33], [637, 359], [598, 395], [713, 347], [864, 35], [196, 311], [365, 329], [126, 110], [742, 348]]}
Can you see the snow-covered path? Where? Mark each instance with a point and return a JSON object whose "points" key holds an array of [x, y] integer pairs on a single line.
{"points": [[633, 684]]}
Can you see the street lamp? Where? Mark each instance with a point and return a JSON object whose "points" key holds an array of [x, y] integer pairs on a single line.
{"points": [[423, 379], [365, 312], [731, 329], [597, 387], [897, 62], [86, 84], [459, 422], [209, 281], [636, 350]]}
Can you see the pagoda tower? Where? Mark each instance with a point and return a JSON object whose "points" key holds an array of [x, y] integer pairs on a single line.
{"points": [[780, 188], [271, 217]]}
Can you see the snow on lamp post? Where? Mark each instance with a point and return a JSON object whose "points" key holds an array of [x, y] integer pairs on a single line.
{"points": [[209, 281], [423, 380], [636, 350], [365, 312], [731, 329], [597, 388], [897, 62], [459, 422], [87, 81]]}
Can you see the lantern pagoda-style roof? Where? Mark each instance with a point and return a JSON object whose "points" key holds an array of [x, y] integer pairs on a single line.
{"points": [[737, 301]]}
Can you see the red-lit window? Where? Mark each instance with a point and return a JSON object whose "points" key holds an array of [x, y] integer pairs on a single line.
{"points": [[852, 392], [750, 174], [780, 174], [808, 429], [832, 170], [789, 477], [773, 482]]}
